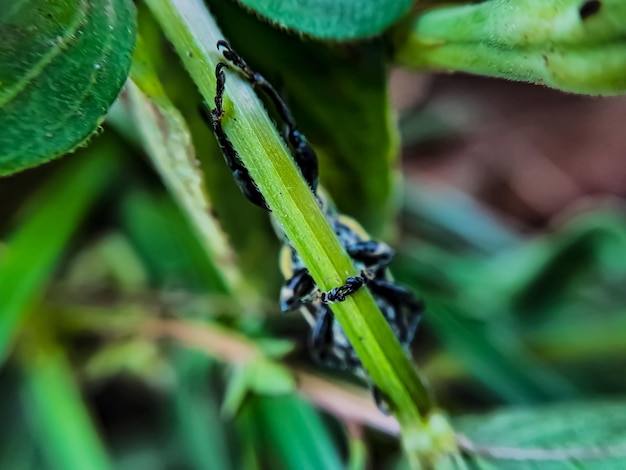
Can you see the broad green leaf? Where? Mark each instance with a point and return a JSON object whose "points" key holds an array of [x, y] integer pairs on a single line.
{"points": [[331, 19], [340, 100], [572, 45], [57, 414], [33, 251], [590, 436], [62, 63]]}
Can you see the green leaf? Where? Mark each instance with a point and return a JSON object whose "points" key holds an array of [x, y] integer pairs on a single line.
{"points": [[57, 413], [339, 97], [572, 45], [293, 433], [331, 19], [454, 220], [135, 357], [164, 241], [202, 434], [166, 139], [236, 390], [357, 454], [259, 376], [56, 211], [270, 378], [573, 436], [496, 356], [62, 63], [274, 348]]}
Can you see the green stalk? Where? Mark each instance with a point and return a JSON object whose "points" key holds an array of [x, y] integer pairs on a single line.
{"points": [[562, 44], [194, 34]]}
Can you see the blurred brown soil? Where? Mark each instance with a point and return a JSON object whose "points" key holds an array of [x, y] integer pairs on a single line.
{"points": [[526, 151]]}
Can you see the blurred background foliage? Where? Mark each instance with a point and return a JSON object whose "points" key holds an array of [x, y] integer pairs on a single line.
{"points": [[124, 348]]}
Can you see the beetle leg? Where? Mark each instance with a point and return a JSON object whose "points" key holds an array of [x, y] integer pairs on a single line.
{"points": [[304, 155], [339, 294], [373, 254], [400, 297], [213, 117], [322, 335], [381, 402], [295, 290]]}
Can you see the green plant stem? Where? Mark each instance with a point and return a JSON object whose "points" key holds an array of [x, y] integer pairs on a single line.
{"points": [[548, 42], [193, 32]]}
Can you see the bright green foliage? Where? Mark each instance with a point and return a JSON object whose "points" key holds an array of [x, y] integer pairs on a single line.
{"points": [[331, 19], [572, 45], [62, 63], [559, 437]]}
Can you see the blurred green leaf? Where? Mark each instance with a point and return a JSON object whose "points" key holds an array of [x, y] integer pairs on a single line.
{"points": [[270, 378], [573, 45], [339, 97], [586, 436], [248, 228], [166, 139], [57, 414], [274, 348], [197, 422], [259, 376], [496, 356], [109, 261], [236, 391], [54, 214], [292, 433], [579, 338], [453, 219], [62, 63], [18, 449], [332, 19], [587, 250], [357, 459], [166, 244], [137, 357]]}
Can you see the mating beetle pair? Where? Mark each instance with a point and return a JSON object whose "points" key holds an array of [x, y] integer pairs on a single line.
{"points": [[329, 343]]}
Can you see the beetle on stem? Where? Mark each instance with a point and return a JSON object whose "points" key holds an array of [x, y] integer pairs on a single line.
{"points": [[329, 343]]}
